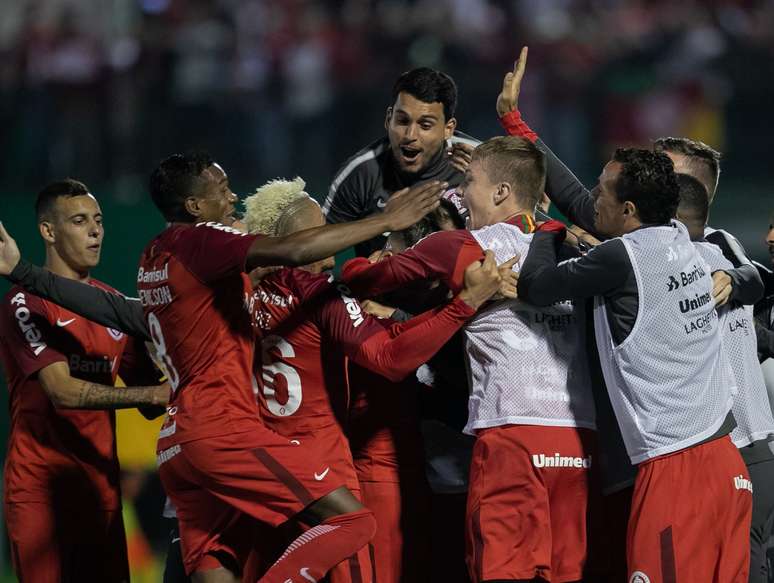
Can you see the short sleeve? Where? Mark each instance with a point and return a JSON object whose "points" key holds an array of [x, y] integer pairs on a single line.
{"points": [[27, 331], [212, 251]]}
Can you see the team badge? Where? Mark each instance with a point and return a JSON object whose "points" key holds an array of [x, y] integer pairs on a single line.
{"points": [[115, 334], [639, 577]]}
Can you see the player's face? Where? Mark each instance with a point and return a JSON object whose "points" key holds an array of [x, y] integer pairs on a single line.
{"points": [[609, 219], [417, 132], [77, 231], [215, 201], [770, 241], [478, 195]]}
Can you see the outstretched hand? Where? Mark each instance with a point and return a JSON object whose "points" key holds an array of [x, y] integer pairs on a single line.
{"points": [[9, 252], [508, 100], [408, 206], [483, 279]]}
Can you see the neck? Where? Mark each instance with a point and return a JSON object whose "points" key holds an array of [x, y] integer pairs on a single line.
{"points": [[55, 264], [510, 213]]}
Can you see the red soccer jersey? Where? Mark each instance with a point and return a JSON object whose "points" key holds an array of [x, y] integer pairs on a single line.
{"points": [[58, 456], [192, 285], [306, 325]]}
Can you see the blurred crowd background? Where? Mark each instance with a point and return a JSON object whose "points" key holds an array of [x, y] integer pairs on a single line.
{"points": [[101, 90]]}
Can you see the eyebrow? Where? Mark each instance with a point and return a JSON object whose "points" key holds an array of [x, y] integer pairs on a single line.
{"points": [[427, 116], [84, 215]]}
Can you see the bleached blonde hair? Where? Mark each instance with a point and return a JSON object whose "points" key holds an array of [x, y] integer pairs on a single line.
{"points": [[273, 204]]}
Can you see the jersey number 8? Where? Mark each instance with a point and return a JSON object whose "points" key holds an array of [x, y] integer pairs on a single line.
{"points": [[161, 351]]}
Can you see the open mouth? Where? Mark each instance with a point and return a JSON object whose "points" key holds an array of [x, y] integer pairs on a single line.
{"points": [[410, 154], [94, 248]]}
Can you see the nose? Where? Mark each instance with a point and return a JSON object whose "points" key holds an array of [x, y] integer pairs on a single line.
{"points": [[95, 229], [411, 131]]}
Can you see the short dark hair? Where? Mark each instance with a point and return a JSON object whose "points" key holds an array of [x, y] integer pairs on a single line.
{"points": [[648, 179], [175, 179], [429, 86], [431, 223], [44, 204], [694, 199], [703, 160], [516, 161]]}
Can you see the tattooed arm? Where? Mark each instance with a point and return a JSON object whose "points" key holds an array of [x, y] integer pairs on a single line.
{"points": [[67, 392]]}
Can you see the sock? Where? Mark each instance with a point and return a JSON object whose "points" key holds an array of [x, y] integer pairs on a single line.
{"points": [[311, 555]]}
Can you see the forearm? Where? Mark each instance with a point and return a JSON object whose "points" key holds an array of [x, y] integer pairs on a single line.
{"points": [[314, 244], [368, 280], [104, 308], [413, 342], [81, 394], [562, 186], [747, 286], [542, 282]]}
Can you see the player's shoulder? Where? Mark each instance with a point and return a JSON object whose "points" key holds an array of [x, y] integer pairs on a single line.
{"points": [[103, 286], [18, 298], [365, 163], [446, 239]]}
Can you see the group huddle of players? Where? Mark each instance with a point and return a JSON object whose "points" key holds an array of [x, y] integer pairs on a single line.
{"points": [[483, 395]]}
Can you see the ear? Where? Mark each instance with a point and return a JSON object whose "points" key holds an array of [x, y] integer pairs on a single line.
{"points": [[387, 118], [629, 209], [448, 129], [46, 229], [502, 193], [193, 207]]}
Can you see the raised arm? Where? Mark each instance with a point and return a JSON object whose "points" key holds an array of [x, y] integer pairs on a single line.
{"points": [[562, 186], [403, 209], [100, 306]]}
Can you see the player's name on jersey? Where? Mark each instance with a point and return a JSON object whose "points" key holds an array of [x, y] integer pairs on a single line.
{"points": [[155, 297], [154, 276]]}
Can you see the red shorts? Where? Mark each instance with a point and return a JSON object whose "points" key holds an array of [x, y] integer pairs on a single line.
{"points": [[221, 486], [690, 519], [401, 546], [526, 514], [49, 544]]}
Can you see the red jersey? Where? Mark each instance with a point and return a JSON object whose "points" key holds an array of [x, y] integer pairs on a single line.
{"points": [[194, 291], [58, 455], [306, 325]]}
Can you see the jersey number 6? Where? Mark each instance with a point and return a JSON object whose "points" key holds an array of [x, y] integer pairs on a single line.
{"points": [[273, 370]]}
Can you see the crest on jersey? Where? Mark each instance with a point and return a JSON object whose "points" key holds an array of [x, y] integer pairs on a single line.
{"points": [[115, 334], [639, 577]]}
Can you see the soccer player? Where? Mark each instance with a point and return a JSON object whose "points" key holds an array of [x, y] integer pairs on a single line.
{"points": [[419, 124], [61, 478], [667, 375], [530, 521], [306, 325], [752, 411], [578, 204]]}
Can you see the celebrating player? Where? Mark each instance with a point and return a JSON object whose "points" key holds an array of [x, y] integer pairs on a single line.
{"points": [[669, 380], [752, 411], [62, 498], [419, 123]]}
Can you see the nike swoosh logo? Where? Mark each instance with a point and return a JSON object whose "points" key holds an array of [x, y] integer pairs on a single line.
{"points": [[305, 574], [321, 476], [381, 203], [64, 323]]}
